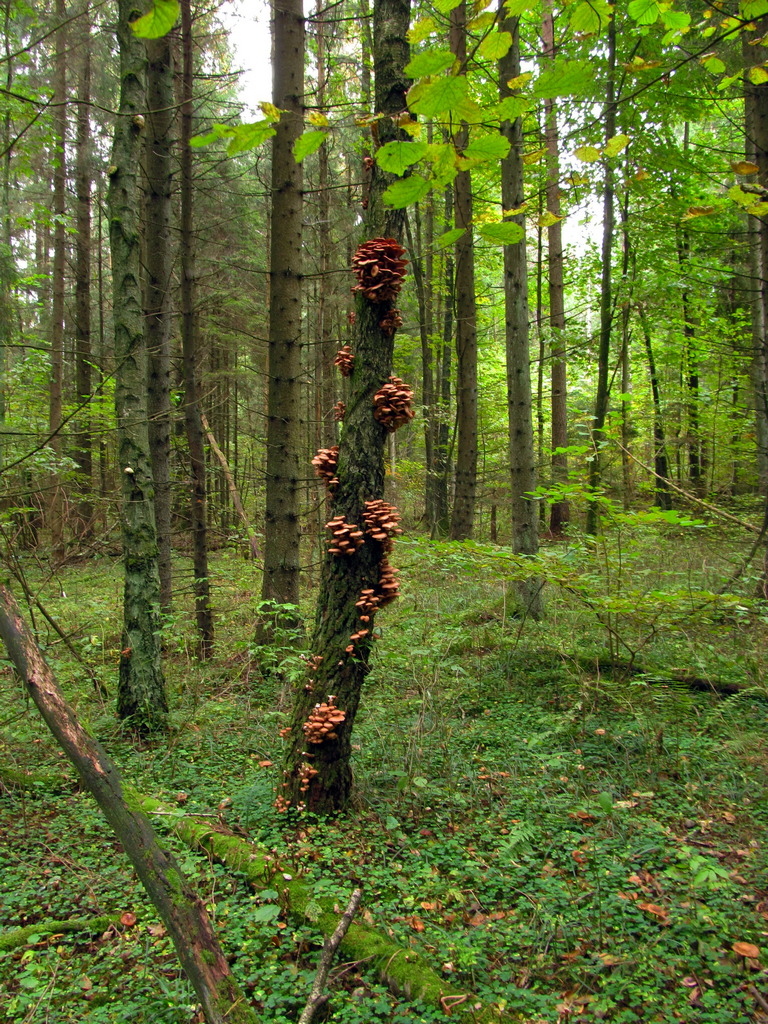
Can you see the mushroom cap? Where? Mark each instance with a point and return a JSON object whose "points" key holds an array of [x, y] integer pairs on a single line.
{"points": [[746, 949]]}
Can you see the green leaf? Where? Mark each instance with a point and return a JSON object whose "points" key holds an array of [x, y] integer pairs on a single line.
{"points": [[515, 7], [644, 12], [482, 21], [511, 108], [265, 914], [445, 6], [429, 63], [421, 30], [449, 238], [588, 154], [495, 46], [391, 823], [677, 21], [503, 233], [406, 191], [248, 136], [713, 64], [157, 22], [606, 802], [397, 156], [590, 17], [307, 144], [754, 9], [445, 96], [616, 145], [758, 75], [569, 78], [488, 147]]}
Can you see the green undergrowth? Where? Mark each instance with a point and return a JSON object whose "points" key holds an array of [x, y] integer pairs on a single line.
{"points": [[549, 813]]}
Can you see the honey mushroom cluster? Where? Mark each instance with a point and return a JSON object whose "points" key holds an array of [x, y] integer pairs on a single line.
{"points": [[393, 404], [282, 804], [306, 774], [388, 586], [391, 322], [345, 360], [381, 521], [339, 411], [354, 638], [369, 602], [347, 537], [323, 721], [325, 463], [313, 664], [379, 268]]}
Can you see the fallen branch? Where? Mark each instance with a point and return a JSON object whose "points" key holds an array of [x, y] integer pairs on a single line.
{"points": [[316, 997], [182, 912], [22, 936], [398, 967]]}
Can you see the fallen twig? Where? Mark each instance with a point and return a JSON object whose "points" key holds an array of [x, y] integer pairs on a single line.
{"points": [[316, 997]]}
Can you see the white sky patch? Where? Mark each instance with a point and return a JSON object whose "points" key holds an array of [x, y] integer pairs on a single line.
{"points": [[247, 22]]}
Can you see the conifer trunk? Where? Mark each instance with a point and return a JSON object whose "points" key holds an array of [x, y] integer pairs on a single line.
{"points": [[141, 688]]}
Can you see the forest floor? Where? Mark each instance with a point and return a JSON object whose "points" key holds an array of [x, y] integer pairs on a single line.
{"points": [[567, 818]]}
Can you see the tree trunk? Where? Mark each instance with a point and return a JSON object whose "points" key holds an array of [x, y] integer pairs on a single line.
{"points": [[560, 514], [157, 302], [55, 508], [141, 688], [522, 460], [192, 421], [606, 304], [83, 246], [442, 524], [462, 521], [180, 908], [318, 774], [662, 496], [282, 527]]}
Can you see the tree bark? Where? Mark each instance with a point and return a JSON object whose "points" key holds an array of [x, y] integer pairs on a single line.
{"points": [[55, 507], [606, 296], [157, 303], [559, 515], [282, 527], [141, 697], [192, 421], [462, 520], [180, 908], [522, 459], [318, 776], [662, 496], [83, 246]]}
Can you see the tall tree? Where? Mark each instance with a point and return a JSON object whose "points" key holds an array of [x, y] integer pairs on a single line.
{"points": [[462, 521], [158, 267], [56, 392], [354, 585], [141, 699], [192, 412], [282, 529], [522, 459]]}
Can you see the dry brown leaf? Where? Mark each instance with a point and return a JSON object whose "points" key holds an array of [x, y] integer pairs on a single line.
{"points": [[416, 923], [657, 911]]}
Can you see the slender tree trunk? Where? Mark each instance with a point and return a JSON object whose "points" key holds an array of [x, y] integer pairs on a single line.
{"points": [[522, 460], [462, 521], [192, 421], [157, 319], [662, 496], [317, 774], [443, 433], [559, 515], [55, 507], [83, 256], [141, 688], [282, 529], [181, 909], [628, 282], [606, 304], [327, 428]]}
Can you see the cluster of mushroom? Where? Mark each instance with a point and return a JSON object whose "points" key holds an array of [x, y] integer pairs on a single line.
{"points": [[391, 322], [345, 360], [388, 585], [368, 604], [393, 404], [323, 721], [282, 804], [313, 664], [306, 774], [347, 537], [379, 268], [381, 522], [325, 463], [354, 639], [339, 411]]}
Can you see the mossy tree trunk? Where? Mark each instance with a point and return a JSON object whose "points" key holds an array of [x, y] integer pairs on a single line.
{"points": [[522, 459], [319, 775], [141, 687], [181, 910]]}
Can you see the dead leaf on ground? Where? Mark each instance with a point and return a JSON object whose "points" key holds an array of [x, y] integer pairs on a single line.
{"points": [[661, 913], [157, 931]]}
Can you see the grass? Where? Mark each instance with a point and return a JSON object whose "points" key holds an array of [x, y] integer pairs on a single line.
{"points": [[546, 811]]}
